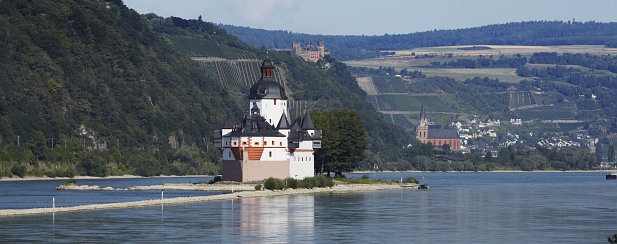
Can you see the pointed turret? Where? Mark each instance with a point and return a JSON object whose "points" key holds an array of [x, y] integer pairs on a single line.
{"points": [[283, 123], [229, 124], [422, 113], [307, 123], [255, 110]]}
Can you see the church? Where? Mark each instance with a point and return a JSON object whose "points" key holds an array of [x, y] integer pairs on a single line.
{"points": [[427, 132], [265, 144]]}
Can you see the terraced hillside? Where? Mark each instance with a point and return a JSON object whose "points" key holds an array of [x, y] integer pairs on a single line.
{"points": [[522, 99]]}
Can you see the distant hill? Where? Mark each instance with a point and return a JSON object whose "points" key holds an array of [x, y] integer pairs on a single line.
{"points": [[349, 47]]}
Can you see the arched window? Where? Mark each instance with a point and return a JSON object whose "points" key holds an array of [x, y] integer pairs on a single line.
{"points": [[270, 153]]}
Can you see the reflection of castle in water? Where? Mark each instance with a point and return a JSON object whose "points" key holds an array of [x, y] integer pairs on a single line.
{"points": [[274, 219]]}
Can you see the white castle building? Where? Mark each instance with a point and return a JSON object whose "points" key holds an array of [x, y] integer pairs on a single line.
{"points": [[265, 144]]}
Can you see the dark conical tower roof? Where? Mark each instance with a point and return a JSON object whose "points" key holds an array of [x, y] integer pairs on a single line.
{"points": [[229, 124], [422, 113], [307, 123], [283, 122]]}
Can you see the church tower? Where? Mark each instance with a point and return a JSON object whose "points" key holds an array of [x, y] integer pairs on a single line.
{"points": [[422, 127], [268, 95]]}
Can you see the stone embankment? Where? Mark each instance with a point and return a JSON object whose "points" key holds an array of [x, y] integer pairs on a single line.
{"points": [[241, 192]]}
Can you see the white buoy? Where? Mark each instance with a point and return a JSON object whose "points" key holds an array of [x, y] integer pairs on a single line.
{"points": [[162, 197]]}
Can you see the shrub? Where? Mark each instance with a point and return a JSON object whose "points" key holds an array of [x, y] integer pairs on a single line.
{"points": [[19, 170], [215, 179], [291, 183], [365, 177], [50, 173], [323, 181], [309, 183], [70, 181], [270, 184], [411, 180], [258, 187]]}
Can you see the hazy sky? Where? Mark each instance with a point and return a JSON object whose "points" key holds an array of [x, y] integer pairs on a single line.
{"points": [[376, 17]]}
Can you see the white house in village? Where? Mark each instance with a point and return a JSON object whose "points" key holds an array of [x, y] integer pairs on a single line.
{"points": [[265, 144]]}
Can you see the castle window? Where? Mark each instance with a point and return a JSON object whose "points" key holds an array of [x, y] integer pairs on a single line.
{"points": [[243, 143], [256, 143], [230, 154], [265, 143], [235, 143], [262, 90], [270, 154], [272, 143], [281, 143], [274, 101]]}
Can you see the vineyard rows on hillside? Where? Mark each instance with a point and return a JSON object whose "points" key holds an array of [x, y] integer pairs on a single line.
{"points": [[521, 99], [389, 84], [204, 48]]}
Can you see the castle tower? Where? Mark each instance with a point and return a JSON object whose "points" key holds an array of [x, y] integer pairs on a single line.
{"points": [[296, 48], [422, 127], [268, 95], [321, 47]]}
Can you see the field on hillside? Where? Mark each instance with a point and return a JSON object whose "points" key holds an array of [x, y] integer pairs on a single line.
{"points": [[498, 50], [403, 59], [409, 103], [559, 111]]}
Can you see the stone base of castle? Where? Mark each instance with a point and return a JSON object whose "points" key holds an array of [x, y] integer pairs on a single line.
{"points": [[250, 170]]}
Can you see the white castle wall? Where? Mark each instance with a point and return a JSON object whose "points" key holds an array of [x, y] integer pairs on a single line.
{"points": [[301, 164], [269, 110]]}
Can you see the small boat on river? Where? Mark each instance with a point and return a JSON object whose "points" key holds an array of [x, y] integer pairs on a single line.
{"points": [[423, 186], [611, 176]]}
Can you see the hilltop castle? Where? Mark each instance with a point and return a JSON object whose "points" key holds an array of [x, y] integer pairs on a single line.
{"points": [[265, 144], [310, 52], [427, 132]]}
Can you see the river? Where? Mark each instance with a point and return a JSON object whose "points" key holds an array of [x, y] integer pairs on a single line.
{"points": [[493, 207]]}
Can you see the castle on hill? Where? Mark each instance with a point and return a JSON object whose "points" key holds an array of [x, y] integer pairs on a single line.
{"points": [[427, 132], [309, 52], [265, 144]]}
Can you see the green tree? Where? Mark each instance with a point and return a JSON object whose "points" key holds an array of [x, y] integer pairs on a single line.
{"points": [[19, 170], [343, 142]]}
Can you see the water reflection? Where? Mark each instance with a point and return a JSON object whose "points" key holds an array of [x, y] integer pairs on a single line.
{"points": [[269, 219]]}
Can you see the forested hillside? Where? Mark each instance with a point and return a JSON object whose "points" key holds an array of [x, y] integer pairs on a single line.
{"points": [[88, 84], [91, 87], [517, 33]]}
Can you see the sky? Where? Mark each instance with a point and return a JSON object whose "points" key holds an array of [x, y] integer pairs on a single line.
{"points": [[376, 17]]}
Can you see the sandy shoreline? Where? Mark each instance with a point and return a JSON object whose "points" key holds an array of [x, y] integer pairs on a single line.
{"points": [[340, 188]]}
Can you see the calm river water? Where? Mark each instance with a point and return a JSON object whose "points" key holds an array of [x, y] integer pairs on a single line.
{"points": [[578, 207]]}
